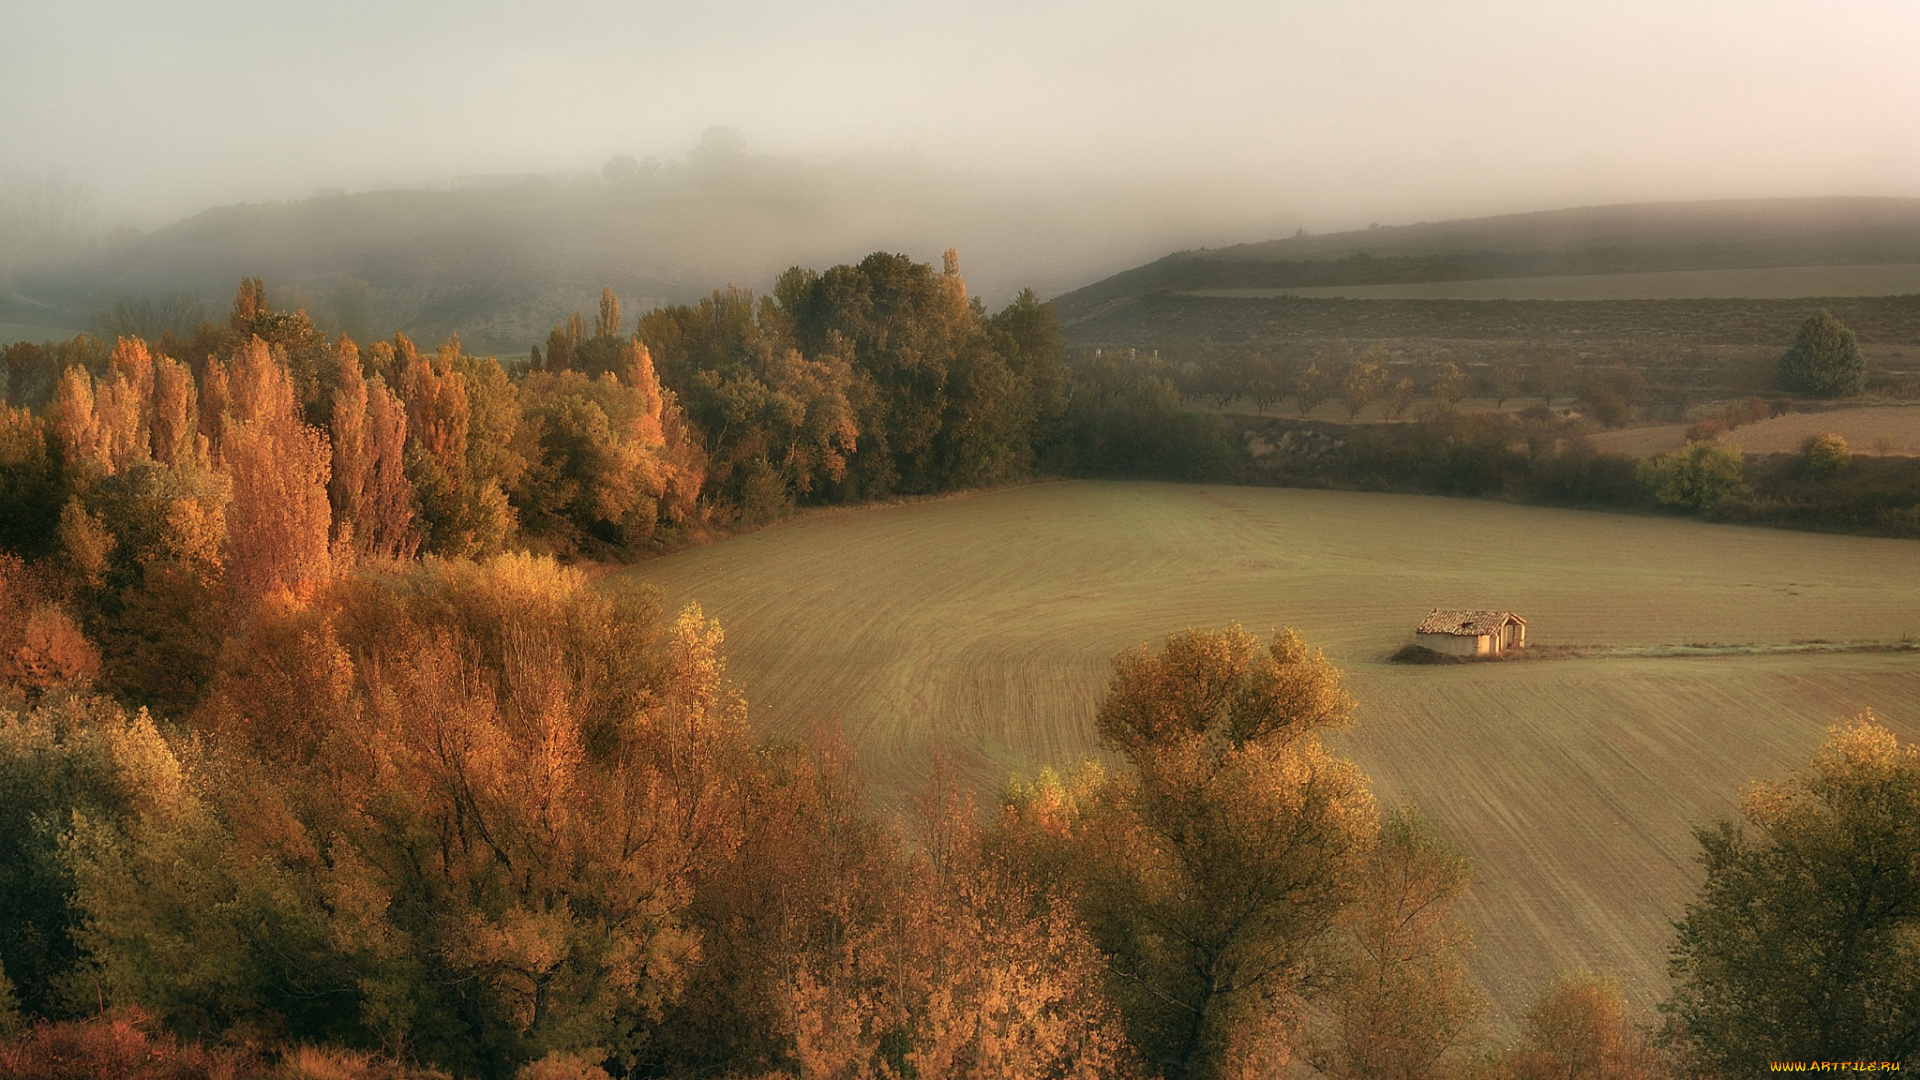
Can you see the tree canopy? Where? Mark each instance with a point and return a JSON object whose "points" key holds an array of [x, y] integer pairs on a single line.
{"points": [[1804, 942], [1824, 361]]}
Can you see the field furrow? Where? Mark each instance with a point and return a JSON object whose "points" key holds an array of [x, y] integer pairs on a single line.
{"points": [[985, 626]]}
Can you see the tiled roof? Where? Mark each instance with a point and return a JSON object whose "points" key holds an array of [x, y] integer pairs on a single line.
{"points": [[1468, 623]]}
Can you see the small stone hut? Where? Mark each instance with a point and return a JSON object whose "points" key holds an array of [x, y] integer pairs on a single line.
{"points": [[1471, 633]]}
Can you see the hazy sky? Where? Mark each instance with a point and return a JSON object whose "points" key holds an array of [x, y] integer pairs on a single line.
{"points": [[1338, 112]]}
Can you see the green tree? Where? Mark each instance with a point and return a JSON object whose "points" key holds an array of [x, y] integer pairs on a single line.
{"points": [[69, 755], [936, 404], [1824, 360], [1804, 941], [1702, 476]]}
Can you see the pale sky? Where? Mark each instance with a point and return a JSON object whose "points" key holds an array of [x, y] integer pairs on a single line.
{"points": [[1335, 112]]}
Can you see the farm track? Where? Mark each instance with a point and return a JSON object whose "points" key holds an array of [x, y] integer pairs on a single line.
{"points": [[986, 625]]}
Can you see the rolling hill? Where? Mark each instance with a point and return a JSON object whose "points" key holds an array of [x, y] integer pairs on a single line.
{"points": [[1587, 245]]}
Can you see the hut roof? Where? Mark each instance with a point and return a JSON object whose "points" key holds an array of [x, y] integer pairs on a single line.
{"points": [[1466, 623]]}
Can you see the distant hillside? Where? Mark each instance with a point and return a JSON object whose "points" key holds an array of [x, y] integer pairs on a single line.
{"points": [[1637, 238], [500, 259]]}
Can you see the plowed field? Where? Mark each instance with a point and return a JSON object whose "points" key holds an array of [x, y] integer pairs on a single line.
{"points": [[986, 624]]}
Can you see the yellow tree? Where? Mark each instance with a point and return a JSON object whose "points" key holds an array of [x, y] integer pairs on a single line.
{"points": [[1209, 873], [1578, 1029], [371, 496], [1804, 942], [279, 522], [1399, 1004]]}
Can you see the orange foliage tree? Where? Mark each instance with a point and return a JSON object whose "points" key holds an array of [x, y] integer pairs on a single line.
{"points": [[1577, 1029], [279, 523], [456, 813]]}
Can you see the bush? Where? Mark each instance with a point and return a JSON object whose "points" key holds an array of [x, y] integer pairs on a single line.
{"points": [[120, 1047], [1578, 1027], [1826, 453], [1703, 476], [1706, 431], [1825, 360]]}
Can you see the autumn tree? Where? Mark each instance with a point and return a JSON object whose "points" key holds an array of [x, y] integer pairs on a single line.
{"points": [[1578, 1029], [456, 813], [1399, 1003], [156, 541], [612, 463], [145, 523], [371, 497], [1503, 381], [1210, 870], [937, 959], [1446, 383], [1269, 380], [32, 487], [1314, 386], [1399, 396], [1361, 383], [1802, 943], [279, 523], [460, 514], [1825, 454], [1548, 375]]}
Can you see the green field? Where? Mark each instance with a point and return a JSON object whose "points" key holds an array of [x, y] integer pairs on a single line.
{"points": [[1768, 283], [985, 625]]}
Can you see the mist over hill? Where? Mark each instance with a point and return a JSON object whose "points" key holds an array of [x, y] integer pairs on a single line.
{"points": [[1637, 238], [499, 259]]}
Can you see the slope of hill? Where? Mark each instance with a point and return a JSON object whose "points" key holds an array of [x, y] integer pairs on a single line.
{"points": [[1639, 238]]}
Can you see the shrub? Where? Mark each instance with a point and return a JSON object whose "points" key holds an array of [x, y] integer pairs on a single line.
{"points": [[121, 1047], [1578, 1027], [1825, 360], [1750, 410], [1826, 453], [1706, 431], [1703, 476]]}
